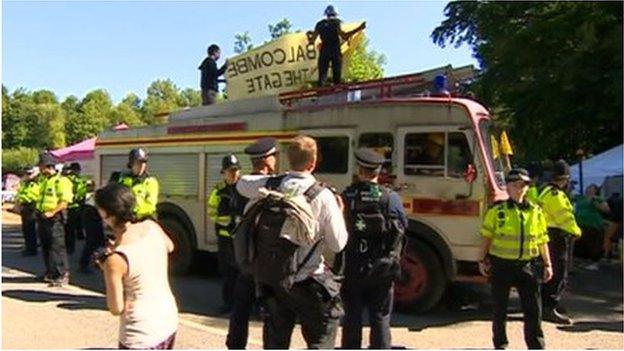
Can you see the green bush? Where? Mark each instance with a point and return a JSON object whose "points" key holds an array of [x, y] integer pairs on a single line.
{"points": [[14, 160]]}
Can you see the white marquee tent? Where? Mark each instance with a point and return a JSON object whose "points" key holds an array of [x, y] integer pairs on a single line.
{"points": [[595, 169]]}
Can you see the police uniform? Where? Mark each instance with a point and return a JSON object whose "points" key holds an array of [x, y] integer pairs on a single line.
{"points": [[357, 294], [245, 288], [225, 208], [74, 210], [54, 189], [27, 196], [144, 187], [562, 228]]}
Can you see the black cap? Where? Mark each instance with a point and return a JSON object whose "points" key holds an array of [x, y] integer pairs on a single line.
{"points": [[262, 148], [369, 158], [137, 154], [229, 161], [517, 174], [561, 169], [47, 159]]}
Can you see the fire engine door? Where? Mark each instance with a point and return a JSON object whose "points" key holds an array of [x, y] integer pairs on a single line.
{"points": [[432, 161]]}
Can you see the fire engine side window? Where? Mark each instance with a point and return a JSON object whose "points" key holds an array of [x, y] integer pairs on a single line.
{"points": [[333, 154], [382, 143], [424, 154], [459, 156]]}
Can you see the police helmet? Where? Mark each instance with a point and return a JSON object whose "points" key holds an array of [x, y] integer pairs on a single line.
{"points": [[561, 170], [229, 161], [47, 159], [137, 155], [330, 11]]}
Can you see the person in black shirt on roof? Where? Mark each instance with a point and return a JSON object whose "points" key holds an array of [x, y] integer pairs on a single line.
{"points": [[331, 33], [210, 75]]}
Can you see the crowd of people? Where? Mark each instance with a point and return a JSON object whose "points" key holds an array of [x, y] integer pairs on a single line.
{"points": [[294, 249]]}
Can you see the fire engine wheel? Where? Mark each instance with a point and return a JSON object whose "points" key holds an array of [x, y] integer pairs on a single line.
{"points": [[422, 280], [181, 258]]}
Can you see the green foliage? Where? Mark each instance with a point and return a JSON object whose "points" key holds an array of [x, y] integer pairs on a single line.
{"points": [[190, 97], [14, 160], [364, 64], [242, 43], [280, 28], [552, 70], [163, 96]]}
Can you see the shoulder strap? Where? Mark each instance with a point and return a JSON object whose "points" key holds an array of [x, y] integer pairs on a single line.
{"points": [[384, 201], [308, 256], [273, 183], [314, 190]]}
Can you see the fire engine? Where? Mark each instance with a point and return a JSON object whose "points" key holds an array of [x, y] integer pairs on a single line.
{"points": [[438, 158]]}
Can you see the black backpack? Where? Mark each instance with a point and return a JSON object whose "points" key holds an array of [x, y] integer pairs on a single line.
{"points": [[376, 238], [258, 247]]}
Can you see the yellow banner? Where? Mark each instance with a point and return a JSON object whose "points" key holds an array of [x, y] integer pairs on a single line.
{"points": [[505, 145], [495, 148], [285, 64]]}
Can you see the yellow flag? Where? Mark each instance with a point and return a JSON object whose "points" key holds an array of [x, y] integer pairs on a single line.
{"points": [[505, 145], [284, 64], [495, 149]]}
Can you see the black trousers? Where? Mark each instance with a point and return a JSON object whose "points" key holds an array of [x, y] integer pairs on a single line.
{"points": [[378, 300], [244, 300], [310, 304], [559, 248], [525, 277], [52, 237], [94, 234], [325, 58], [227, 268], [73, 228], [29, 228]]}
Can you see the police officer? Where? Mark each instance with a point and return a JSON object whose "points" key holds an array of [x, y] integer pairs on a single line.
{"points": [[93, 229], [55, 195], [562, 229], [74, 213], [27, 196], [367, 283], [144, 186], [515, 236], [225, 208], [263, 154]]}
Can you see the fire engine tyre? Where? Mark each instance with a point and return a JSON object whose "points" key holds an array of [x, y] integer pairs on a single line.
{"points": [[422, 281], [181, 258]]}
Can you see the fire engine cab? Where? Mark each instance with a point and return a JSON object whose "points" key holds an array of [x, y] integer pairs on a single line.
{"points": [[438, 158]]}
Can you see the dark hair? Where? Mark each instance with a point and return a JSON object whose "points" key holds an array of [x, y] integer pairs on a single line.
{"points": [[213, 48], [118, 201]]}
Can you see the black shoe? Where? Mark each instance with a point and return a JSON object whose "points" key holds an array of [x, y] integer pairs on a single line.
{"points": [[554, 316], [60, 281], [45, 277]]}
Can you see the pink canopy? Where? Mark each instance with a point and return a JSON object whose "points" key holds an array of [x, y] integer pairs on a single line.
{"points": [[80, 151]]}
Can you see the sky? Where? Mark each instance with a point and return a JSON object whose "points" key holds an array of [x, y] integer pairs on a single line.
{"points": [[72, 48]]}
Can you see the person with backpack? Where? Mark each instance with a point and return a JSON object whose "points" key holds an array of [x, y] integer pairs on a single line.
{"points": [[225, 208], [297, 218], [376, 221], [263, 155], [54, 196]]}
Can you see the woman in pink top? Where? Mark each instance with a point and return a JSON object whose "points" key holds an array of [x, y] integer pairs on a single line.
{"points": [[135, 272]]}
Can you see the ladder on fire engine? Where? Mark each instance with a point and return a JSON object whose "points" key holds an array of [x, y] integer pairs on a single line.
{"points": [[404, 86]]}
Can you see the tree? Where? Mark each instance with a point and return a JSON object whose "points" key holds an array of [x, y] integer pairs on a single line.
{"points": [[163, 96], [552, 69], [94, 115], [128, 111], [190, 97], [364, 64], [280, 28], [242, 43]]}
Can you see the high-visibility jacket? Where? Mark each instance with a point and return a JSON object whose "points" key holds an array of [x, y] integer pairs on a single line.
{"points": [[145, 189], [532, 194], [54, 190], [28, 191], [225, 208], [80, 190], [558, 210], [516, 230]]}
